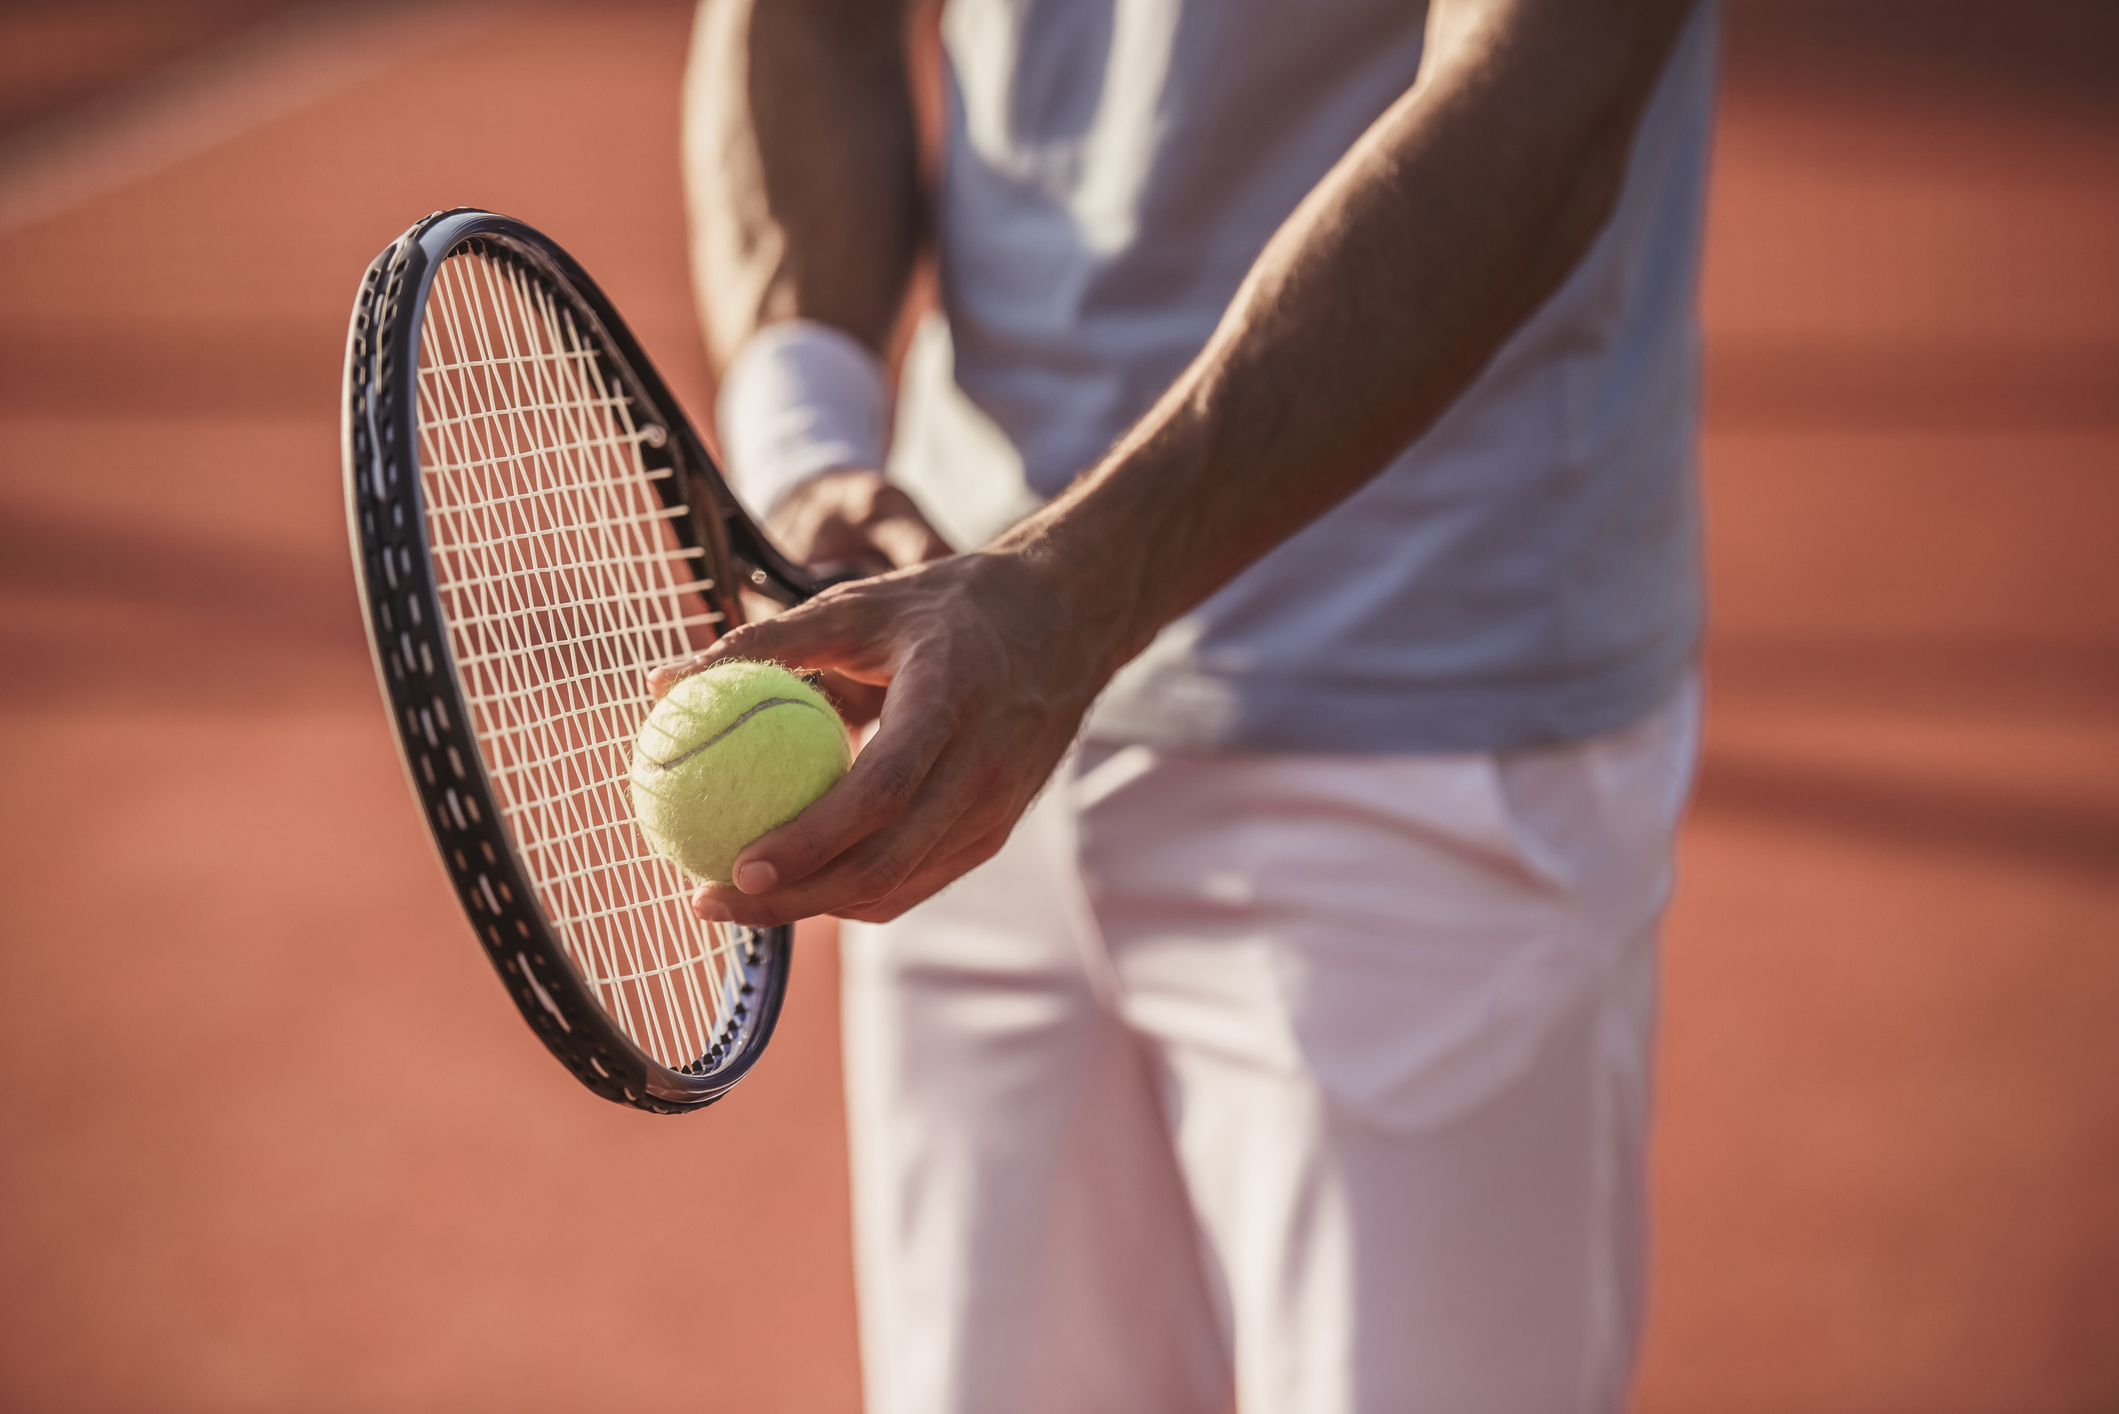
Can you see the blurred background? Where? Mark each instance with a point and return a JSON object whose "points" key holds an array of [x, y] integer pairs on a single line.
{"points": [[272, 1138]]}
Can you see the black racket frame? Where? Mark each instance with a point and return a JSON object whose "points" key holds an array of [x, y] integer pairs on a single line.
{"points": [[392, 563]]}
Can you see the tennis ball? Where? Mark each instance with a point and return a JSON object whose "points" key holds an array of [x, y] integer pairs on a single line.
{"points": [[730, 753]]}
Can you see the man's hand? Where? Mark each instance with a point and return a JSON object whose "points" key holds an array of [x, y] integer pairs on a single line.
{"points": [[851, 522], [989, 675], [854, 520]]}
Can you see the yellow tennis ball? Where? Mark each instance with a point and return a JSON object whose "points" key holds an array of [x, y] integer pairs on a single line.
{"points": [[730, 753]]}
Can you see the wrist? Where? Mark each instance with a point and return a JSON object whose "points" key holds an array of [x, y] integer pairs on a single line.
{"points": [[1086, 580], [800, 400], [1123, 551]]}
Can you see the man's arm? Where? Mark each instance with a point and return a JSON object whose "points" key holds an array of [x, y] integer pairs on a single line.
{"points": [[800, 148], [1452, 219]]}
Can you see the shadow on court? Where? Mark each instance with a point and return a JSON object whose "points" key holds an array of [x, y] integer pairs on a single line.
{"points": [[275, 1140]]}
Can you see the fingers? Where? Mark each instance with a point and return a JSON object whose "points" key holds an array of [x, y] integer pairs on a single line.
{"points": [[880, 790], [950, 861], [661, 680], [810, 635], [835, 630], [908, 539], [872, 868], [871, 862], [855, 516], [858, 703]]}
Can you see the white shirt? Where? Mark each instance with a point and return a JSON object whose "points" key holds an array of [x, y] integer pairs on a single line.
{"points": [[1525, 572]]}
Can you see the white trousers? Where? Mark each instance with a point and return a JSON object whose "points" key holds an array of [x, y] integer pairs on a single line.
{"points": [[1307, 1083]]}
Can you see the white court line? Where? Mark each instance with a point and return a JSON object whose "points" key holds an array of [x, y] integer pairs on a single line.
{"points": [[268, 71]]}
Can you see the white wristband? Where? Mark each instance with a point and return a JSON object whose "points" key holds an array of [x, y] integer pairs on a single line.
{"points": [[801, 399]]}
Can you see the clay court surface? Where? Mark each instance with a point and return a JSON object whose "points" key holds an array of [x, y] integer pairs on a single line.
{"points": [[274, 1140]]}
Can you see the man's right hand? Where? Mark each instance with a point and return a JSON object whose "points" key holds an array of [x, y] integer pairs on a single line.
{"points": [[854, 520]]}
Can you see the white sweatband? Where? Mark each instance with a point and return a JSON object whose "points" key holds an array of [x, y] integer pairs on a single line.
{"points": [[801, 399]]}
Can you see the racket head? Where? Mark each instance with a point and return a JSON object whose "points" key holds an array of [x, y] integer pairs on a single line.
{"points": [[536, 525]]}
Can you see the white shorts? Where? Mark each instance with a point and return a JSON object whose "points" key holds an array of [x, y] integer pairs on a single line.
{"points": [[1318, 1078]]}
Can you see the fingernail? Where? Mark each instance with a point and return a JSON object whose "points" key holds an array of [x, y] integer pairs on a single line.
{"points": [[756, 877], [711, 909]]}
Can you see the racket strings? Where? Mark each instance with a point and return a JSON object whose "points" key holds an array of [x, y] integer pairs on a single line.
{"points": [[562, 584], [562, 423]]}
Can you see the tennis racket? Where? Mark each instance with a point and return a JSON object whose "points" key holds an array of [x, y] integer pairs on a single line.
{"points": [[535, 526]]}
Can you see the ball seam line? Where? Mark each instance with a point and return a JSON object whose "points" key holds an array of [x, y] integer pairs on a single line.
{"points": [[675, 761]]}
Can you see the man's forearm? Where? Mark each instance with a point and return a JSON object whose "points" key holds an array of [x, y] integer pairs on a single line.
{"points": [[800, 165], [1377, 302]]}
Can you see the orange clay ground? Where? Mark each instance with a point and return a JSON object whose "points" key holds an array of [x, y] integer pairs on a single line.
{"points": [[274, 1140]]}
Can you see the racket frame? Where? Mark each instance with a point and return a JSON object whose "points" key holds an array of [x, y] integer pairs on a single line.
{"points": [[407, 636]]}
